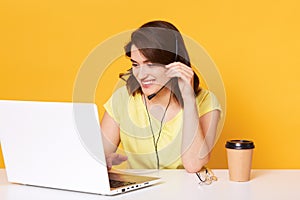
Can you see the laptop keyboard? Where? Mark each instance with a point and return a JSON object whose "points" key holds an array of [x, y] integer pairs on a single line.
{"points": [[116, 184]]}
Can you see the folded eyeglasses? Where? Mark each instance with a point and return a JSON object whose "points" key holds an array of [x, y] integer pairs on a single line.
{"points": [[206, 176]]}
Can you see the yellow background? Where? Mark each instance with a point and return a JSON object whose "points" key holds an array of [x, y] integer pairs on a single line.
{"points": [[255, 45]]}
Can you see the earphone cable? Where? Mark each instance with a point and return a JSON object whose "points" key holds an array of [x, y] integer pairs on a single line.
{"points": [[155, 142]]}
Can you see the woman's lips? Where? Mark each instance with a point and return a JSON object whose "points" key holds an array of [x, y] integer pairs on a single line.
{"points": [[147, 84]]}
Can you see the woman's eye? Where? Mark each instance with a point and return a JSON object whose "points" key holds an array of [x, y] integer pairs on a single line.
{"points": [[134, 65], [155, 65], [150, 65]]}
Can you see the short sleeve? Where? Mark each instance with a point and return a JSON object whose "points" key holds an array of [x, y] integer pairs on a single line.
{"points": [[206, 102], [114, 104]]}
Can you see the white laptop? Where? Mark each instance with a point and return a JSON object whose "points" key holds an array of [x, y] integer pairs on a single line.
{"points": [[59, 145]]}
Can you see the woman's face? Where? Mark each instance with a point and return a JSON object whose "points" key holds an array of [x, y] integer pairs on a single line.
{"points": [[150, 76]]}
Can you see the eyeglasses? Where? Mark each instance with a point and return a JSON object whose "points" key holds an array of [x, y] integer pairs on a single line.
{"points": [[206, 176]]}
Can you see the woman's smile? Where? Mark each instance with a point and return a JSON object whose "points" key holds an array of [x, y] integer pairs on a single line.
{"points": [[147, 83]]}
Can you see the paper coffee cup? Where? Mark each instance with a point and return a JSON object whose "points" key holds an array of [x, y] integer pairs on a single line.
{"points": [[239, 157]]}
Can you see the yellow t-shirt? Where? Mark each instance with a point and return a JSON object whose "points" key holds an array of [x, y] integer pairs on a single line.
{"points": [[135, 132]]}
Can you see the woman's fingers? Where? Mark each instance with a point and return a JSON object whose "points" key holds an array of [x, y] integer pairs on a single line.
{"points": [[118, 159], [180, 70], [179, 74], [114, 159]]}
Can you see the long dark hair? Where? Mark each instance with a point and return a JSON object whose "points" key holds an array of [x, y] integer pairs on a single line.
{"points": [[160, 42]]}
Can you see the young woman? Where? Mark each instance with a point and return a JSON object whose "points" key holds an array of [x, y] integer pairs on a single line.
{"points": [[162, 118]]}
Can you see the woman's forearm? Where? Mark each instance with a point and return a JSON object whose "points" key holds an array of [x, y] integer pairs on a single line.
{"points": [[194, 149]]}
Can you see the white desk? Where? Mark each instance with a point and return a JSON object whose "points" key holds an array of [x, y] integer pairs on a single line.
{"points": [[177, 184]]}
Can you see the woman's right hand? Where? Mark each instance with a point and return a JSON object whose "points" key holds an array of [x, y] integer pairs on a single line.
{"points": [[114, 159]]}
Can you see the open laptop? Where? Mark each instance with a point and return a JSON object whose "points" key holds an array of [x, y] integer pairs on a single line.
{"points": [[59, 145]]}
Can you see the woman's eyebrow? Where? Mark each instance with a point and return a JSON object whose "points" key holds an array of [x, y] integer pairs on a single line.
{"points": [[145, 61], [132, 60]]}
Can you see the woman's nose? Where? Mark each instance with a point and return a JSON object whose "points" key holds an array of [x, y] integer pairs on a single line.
{"points": [[143, 71]]}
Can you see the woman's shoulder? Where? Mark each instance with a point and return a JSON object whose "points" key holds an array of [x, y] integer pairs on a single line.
{"points": [[206, 99], [204, 93], [121, 92]]}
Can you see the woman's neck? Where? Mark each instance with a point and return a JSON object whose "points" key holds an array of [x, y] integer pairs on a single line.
{"points": [[158, 105]]}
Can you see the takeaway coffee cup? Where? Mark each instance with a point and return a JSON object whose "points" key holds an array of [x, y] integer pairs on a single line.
{"points": [[239, 157]]}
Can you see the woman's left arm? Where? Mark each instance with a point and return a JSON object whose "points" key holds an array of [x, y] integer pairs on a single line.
{"points": [[198, 133], [198, 136]]}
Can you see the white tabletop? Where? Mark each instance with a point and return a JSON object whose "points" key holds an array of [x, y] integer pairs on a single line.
{"points": [[178, 184]]}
